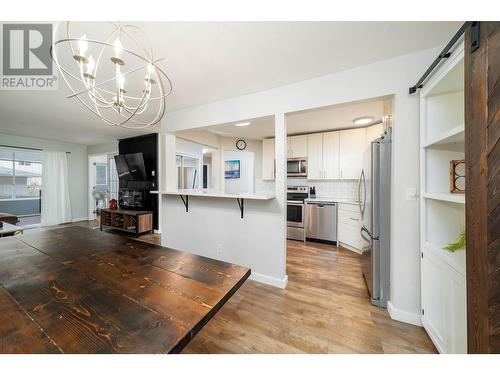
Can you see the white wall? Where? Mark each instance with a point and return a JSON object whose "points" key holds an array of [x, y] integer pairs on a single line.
{"points": [[103, 148], [246, 182], [389, 77], [77, 167], [203, 137], [255, 146]]}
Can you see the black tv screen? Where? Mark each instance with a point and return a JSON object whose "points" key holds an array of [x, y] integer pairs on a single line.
{"points": [[131, 167]]}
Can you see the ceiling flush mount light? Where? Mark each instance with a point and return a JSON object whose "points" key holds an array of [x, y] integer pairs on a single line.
{"points": [[243, 123], [363, 120], [116, 78]]}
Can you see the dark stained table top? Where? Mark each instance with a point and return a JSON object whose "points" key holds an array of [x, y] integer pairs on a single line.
{"points": [[77, 290]]}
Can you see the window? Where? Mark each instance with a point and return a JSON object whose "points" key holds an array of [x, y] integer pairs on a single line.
{"points": [[20, 174], [101, 174]]}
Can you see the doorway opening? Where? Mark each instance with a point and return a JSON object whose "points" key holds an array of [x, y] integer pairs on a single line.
{"points": [[103, 183], [329, 201], [188, 171]]}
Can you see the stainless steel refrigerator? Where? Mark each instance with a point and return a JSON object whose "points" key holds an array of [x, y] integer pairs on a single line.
{"points": [[374, 194]]}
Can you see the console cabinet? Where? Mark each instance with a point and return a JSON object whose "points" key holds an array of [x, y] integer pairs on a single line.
{"points": [[136, 222]]}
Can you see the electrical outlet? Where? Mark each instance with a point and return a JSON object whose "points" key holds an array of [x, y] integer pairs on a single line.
{"points": [[219, 249]]}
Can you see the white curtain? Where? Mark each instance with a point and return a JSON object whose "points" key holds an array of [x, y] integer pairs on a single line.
{"points": [[56, 206]]}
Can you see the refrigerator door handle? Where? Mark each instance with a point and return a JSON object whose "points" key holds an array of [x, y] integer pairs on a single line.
{"points": [[362, 202], [364, 191], [365, 233]]}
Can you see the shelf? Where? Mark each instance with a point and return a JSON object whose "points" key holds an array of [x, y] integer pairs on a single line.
{"points": [[455, 135], [446, 197], [454, 259]]}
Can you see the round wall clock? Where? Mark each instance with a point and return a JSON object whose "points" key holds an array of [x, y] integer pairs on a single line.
{"points": [[241, 144]]}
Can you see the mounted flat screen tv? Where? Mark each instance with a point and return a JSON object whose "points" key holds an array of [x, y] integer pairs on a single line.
{"points": [[130, 167]]}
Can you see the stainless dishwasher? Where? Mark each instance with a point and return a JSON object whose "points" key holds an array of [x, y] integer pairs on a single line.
{"points": [[321, 221]]}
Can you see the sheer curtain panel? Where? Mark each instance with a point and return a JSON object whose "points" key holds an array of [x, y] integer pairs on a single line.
{"points": [[56, 206]]}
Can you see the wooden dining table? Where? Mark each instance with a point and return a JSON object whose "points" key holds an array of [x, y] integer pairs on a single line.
{"points": [[78, 290]]}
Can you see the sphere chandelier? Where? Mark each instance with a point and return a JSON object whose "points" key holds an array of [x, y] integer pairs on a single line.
{"points": [[124, 86]]}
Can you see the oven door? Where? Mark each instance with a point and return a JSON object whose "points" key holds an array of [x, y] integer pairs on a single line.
{"points": [[295, 214]]}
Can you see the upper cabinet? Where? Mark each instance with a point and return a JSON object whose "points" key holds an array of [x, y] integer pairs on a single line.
{"points": [[268, 159], [331, 155], [351, 152], [336, 155], [315, 156], [297, 146]]}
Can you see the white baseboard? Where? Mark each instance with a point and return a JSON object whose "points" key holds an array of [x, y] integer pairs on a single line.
{"points": [[79, 219], [345, 246], [273, 281], [403, 316]]}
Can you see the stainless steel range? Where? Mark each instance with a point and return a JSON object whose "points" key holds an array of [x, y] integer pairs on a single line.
{"points": [[295, 212]]}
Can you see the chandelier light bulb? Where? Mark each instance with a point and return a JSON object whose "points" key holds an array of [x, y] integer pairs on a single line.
{"points": [[120, 80], [118, 47], [151, 69], [149, 77], [90, 66], [83, 45]]}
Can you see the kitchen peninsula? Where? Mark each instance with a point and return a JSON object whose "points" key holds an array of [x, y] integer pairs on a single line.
{"points": [[184, 194]]}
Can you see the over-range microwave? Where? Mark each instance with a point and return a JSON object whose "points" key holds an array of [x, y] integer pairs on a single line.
{"points": [[296, 167]]}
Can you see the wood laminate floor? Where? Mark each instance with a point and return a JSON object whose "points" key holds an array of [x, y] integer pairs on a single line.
{"points": [[324, 309]]}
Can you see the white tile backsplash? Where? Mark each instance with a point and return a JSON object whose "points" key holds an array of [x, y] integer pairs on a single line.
{"points": [[263, 186], [345, 189], [328, 188]]}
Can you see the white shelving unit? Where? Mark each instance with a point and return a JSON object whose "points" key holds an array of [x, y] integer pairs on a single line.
{"points": [[443, 280]]}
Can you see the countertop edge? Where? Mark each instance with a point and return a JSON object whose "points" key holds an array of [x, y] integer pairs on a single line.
{"points": [[215, 194], [330, 200]]}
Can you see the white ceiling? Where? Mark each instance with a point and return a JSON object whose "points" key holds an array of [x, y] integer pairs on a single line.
{"points": [[311, 121], [210, 61]]}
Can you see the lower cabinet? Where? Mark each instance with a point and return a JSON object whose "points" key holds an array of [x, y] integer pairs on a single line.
{"points": [[349, 226], [444, 302]]}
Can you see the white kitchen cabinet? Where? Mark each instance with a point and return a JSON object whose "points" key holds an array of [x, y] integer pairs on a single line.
{"points": [[268, 159], [297, 146], [315, 156], [331, 155], [444, 303], [351, 152], [349, 227]]}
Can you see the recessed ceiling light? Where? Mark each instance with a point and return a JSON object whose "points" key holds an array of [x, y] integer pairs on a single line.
{"points": [[243, 123], [365, 120]]}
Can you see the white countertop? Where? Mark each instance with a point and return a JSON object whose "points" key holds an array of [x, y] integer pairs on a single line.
{"points": [[216, 194], [331, 200]]}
